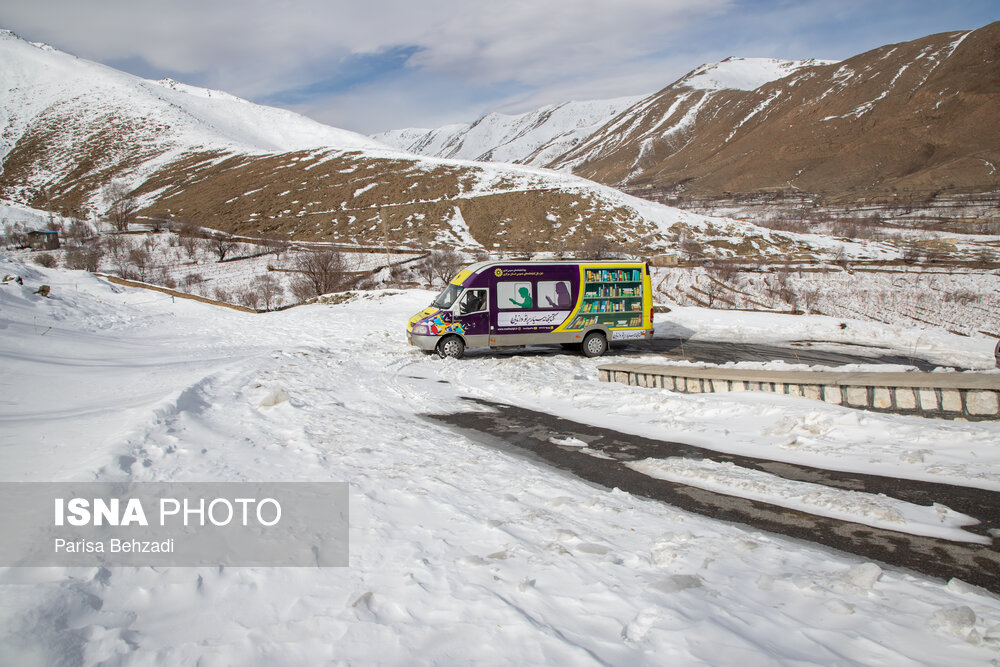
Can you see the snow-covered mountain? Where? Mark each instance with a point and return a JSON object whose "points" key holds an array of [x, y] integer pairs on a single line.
{"points": [[533, 138], [70, 127], [906, 119], [541, 136]]}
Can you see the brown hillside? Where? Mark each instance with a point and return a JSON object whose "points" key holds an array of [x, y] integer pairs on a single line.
{"points": [[353, 197], [913, 117]]}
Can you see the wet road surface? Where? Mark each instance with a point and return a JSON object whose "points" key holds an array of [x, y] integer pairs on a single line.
{"points": [[530, 433], [798, 352]]}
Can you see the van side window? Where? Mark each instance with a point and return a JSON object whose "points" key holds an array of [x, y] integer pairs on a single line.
{"points": [[474, 301], [514, 294], [554, 294]]}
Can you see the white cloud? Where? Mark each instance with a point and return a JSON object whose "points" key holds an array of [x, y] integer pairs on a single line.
{"points": [[255, 48], [467, 56]]}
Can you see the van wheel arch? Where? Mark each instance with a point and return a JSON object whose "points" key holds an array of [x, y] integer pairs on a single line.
{"points": [[594, 344], [451, 346]]}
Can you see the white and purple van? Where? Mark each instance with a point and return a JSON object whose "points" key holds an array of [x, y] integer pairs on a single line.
{"points": [[512, 304]]}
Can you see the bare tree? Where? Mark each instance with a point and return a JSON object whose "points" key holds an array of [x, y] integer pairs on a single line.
{"points": [[595, 247], [269, 289], [690, 248], [276, 244], [247, 297], [190, 245], [222, 245], [79, 232], [724, 270], [122, 206], [15, 235], [319, 273], [119, 247], [425, 270], [397, 275], [445, 264], [140, 259]]}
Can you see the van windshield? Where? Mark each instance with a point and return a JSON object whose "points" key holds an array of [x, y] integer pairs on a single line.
{"points": [[446, 298]]}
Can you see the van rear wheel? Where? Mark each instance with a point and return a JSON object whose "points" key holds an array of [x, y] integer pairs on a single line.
{"points": [[594, 344], [452, 346]]}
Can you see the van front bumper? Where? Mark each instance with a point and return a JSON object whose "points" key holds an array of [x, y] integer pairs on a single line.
{"points": [[423, 342]]}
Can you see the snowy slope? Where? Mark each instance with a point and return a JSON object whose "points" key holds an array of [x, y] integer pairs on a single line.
{"points": [[44, 78], [460, 551], [533, 138], [743, 73]]}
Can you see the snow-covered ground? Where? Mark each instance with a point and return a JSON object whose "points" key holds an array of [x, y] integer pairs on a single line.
{"points": [[460, 552]]}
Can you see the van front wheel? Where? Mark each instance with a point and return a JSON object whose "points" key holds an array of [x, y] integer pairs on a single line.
{"points": [[594, 344], [452, 346]]}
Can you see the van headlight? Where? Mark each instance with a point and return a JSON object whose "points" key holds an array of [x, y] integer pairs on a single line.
{"points": [[421, 329]]}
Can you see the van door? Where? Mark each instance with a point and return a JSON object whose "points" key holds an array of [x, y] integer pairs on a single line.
{"points": [[474, 312]]}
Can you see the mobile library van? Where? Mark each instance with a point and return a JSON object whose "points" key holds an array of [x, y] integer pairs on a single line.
{"points": [[512, 304]]}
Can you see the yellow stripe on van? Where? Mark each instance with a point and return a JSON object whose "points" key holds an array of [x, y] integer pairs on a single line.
{"points": [[576, 307], [461, 277]]}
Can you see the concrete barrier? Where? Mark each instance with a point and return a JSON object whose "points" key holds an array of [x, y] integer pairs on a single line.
{"points": [[971, 396]]}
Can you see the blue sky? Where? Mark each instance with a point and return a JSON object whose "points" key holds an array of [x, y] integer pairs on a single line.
{"points": [[383, 64]]}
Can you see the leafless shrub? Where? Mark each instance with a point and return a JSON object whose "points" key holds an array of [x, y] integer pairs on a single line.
{"points": [[712, 291], [425, 270], [840, 256], [785, 223], [962, 297], [277, 245], [221, 294], [46, 259], [808, 299], [191, 229], [190, 280], [397, 275], [84, 259], [779, 285]]}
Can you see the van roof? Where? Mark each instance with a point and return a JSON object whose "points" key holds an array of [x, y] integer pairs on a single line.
{"points": [[479, 266], [474, 269]]}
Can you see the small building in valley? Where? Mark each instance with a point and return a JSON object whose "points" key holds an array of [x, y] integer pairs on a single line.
{"points": [[43, 240]]}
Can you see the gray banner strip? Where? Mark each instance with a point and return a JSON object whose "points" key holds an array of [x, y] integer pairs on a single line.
{"points": [[291, 524]]}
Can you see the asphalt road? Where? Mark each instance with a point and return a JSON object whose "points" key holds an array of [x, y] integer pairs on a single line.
{"points": [[799, 352], [530, 433]]}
